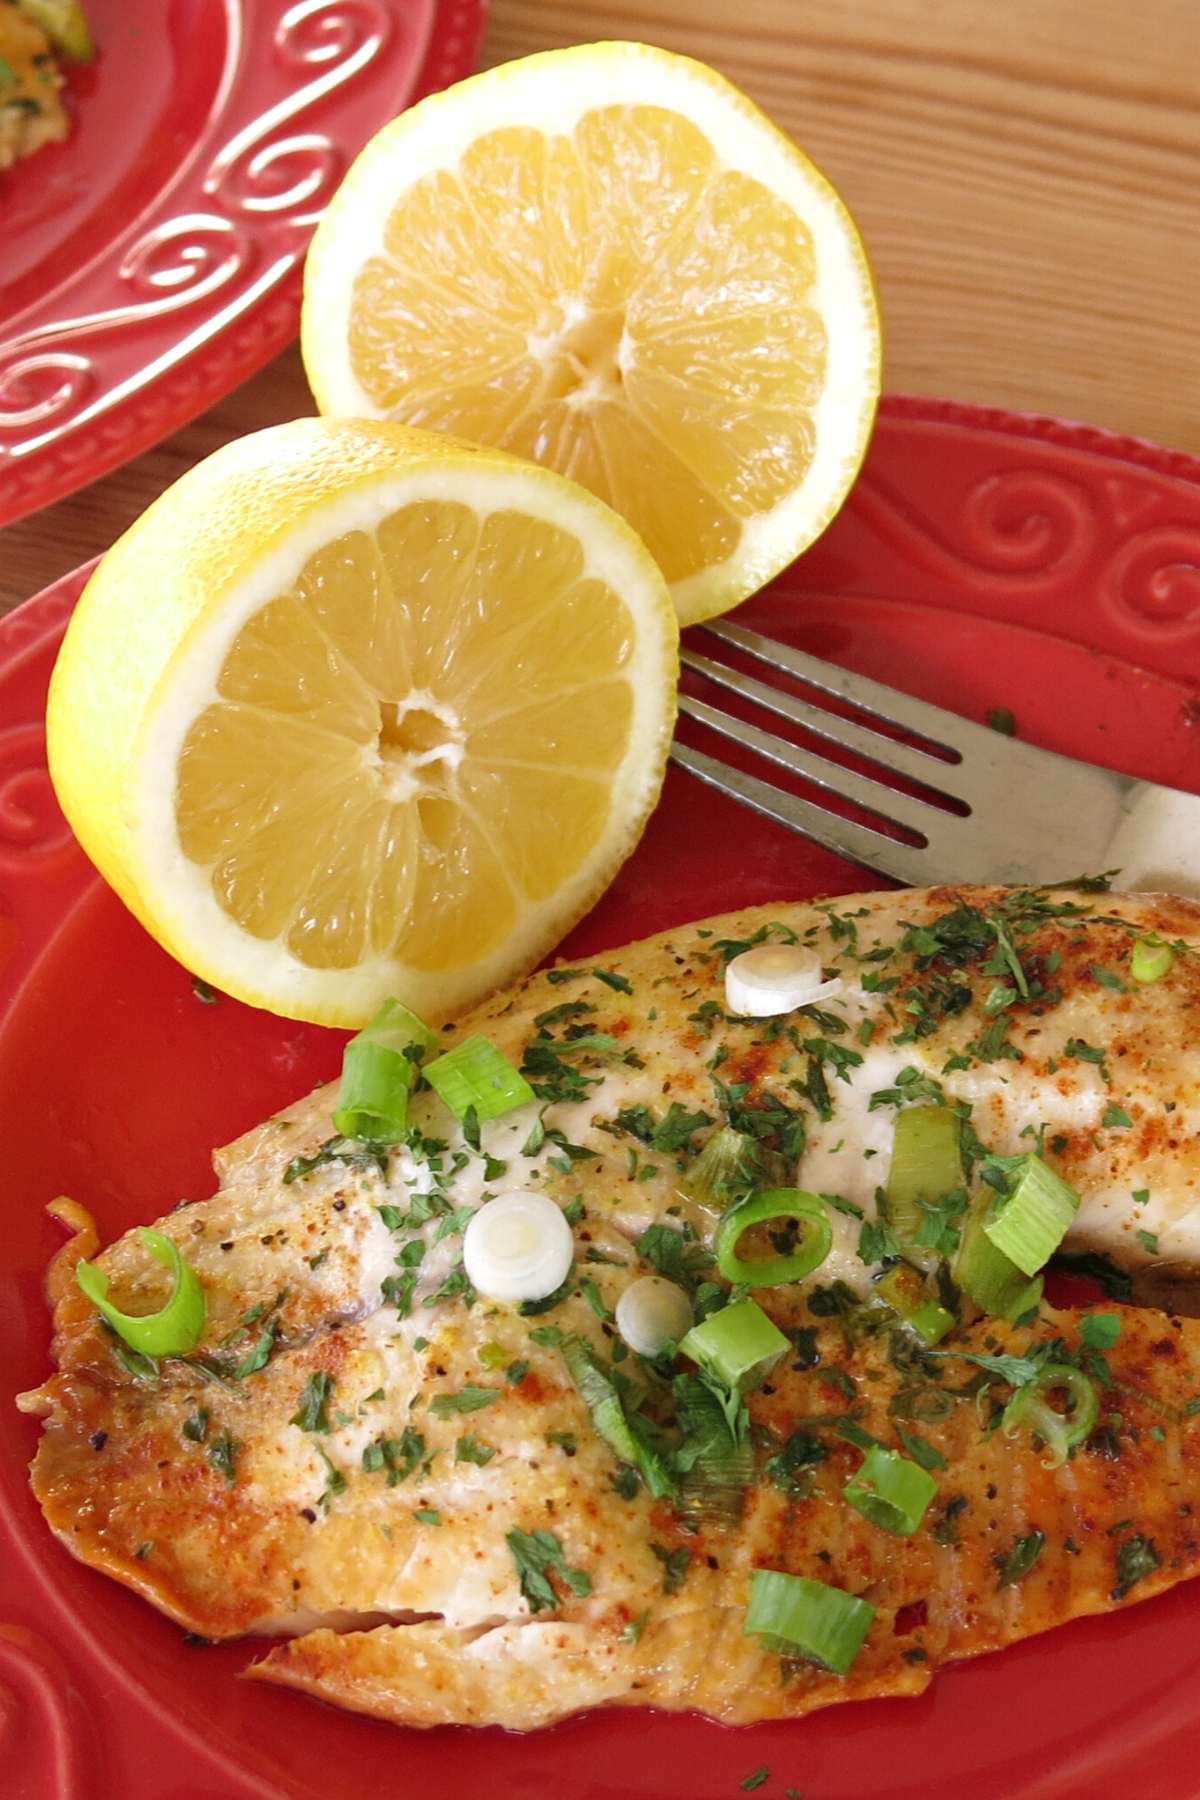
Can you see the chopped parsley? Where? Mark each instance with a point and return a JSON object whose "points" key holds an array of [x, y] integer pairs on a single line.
{"points": [[354, 1153], [877, 1242], [1137, 1557], [311, 1414], [1012, 1568], [468, 1399], [1099, 1331], [399, 1456], [926, 1454], [673, 1253], [195, 1429], [619, 983], [944, 1529], [468, 1449], [676, 1564], [538, 1555], [790, 1465], [427, 1515], [335, 1481], [223, 1454]]}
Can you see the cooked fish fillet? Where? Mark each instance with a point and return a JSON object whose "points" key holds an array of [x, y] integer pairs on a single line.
{"points": [[31, 113], [346, 1458]]}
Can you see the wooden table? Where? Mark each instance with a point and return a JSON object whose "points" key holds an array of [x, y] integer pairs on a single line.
{"points": [[1025, 175]]}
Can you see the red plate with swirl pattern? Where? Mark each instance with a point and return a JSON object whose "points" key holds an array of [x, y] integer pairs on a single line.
{"points": [[152, 261], [981, 561]]}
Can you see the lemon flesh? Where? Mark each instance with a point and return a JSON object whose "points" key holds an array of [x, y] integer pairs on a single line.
{"points": [[607, 260], [354, 711]]}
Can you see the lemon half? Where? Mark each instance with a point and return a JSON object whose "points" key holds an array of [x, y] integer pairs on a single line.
{"points": [[606, 259], [355, 710]]}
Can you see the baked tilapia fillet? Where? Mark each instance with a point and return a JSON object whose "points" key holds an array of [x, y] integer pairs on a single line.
{"points": [[399, 1480]]}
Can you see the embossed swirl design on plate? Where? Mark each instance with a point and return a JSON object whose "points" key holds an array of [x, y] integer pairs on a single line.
{"points": [[271, 168]]}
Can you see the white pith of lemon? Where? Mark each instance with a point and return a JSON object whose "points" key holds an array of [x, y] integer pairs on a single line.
{"points": [[607, 259], [355, 710]]}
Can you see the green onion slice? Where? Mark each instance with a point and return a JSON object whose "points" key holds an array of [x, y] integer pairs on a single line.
{"points": [[991, 1279], [812, 1247], [1061, 1431], [608, 1416], [475, 1075], [378, 1070], [930, 1321], [926, 1165], [729, 1166], [1151, 960], [1032, 1222], [172, 1331], [904, 1290], [721, 1458], [891, 1491], [737, 1346], [799, 1617]]}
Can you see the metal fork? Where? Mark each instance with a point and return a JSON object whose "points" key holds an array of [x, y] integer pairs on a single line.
{"points": [[994, 809]]}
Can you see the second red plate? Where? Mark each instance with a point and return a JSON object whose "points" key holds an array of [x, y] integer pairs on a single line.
{"points": [[982, 561], [152, 261]]}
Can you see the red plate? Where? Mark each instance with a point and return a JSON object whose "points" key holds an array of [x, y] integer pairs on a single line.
{"points": [[152, 261], [983, 560]]}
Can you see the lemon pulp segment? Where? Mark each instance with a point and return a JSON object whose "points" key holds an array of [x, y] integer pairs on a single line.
{"points": [[635, 316], [390, 739]]}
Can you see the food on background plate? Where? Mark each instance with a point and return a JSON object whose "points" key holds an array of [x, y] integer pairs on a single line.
{"points": [[356, 710], [781, 1419], [607, 259], [33, 33]]}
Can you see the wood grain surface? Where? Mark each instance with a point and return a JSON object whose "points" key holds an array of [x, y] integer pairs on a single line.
{"points": [[1025, 175]]}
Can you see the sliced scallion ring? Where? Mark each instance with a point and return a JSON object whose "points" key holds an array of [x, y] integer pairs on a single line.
{"points": [[991, 1279], [729, 1165], [930, 1321], [812, 1247], [518, 1247], [378, 1070], [172, 1331], [476, 1076], [890, 1491], [799, 1617], [1032, 1222], [1150, 960], [926, 1165], [903, 1288], [737, 1345], [776, 978], [653, 1313], [1060, 1431]]}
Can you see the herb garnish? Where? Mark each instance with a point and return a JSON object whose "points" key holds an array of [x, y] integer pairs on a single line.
{"points": [[399, 1456], [1137, 1558], [354, 1153], [676, 1564], [1011, 1569], [223, 1454], [538, 1555], [467, 1399], [311, 1413]]}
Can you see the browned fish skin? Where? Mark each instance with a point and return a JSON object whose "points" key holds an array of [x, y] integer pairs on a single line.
{"points": [[402, 1600]]}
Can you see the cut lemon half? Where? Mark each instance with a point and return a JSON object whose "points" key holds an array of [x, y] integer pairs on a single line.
{"points": [[355, 710], [609, 261]]}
